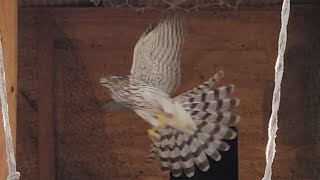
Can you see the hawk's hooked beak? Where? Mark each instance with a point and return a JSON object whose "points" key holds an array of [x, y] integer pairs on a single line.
{"points": [[103, 80], [106, 82]]}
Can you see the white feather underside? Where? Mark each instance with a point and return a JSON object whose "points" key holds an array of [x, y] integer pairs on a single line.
{"points": [[181, 120]]}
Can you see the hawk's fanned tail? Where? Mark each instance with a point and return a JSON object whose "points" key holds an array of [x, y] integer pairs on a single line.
{"points": [[211, 110]]}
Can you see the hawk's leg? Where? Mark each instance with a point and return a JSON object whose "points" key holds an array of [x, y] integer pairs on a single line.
{"points": [[161, 124]]}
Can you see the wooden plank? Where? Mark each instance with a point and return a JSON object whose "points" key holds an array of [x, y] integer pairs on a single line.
{"points": [[82, 3], [46, 118], [211, 42], [8, 31], [244, 43]]}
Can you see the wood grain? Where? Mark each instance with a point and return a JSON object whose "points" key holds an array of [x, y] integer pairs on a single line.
{"points": [[46, 136], [8, 31], [91, 42]]}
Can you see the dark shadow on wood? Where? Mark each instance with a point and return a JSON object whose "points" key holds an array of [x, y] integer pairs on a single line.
{"points": [[298, 134]]}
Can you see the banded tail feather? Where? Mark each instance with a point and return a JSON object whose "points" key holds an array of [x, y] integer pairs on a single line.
{"points": [[213, 106], [212, 111], [211, 95], [204, 87]]}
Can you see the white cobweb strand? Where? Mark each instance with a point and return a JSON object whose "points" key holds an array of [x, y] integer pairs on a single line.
{"points": [[13, 174], [273, 121], [95, 2]]}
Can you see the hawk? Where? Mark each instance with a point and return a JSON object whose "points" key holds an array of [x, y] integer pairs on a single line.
{"points": [[188, 128]]}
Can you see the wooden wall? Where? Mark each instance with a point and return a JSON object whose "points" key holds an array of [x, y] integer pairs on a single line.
{"points": [[8, 33], [63, 52], [87, 3]]}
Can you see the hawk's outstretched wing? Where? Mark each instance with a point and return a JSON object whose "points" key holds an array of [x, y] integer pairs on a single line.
{"points": [[156, 58]]}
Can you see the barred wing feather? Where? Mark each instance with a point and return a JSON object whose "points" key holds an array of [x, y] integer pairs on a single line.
{"points": [[156, 58]]}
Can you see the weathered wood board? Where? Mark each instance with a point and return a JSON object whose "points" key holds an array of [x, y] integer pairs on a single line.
{"points": [[88, 42]]}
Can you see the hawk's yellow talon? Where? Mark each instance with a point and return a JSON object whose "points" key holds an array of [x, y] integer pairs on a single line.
{"points": [[152, 134], [161, 124]]}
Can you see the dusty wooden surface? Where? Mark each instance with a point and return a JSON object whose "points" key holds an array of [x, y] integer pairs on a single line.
{"points": [[81, 3], [46, 136], [8, 32], [88, 43]]}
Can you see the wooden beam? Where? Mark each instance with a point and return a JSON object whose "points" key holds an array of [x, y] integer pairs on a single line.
{"points": [[8, 31], [46, 117]]}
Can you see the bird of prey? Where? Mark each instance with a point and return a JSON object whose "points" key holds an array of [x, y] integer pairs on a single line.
{"points": [[188, 128]]}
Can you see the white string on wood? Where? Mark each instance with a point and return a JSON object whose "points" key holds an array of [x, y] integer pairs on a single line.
{"points": [[13, 174], [273, 121]]}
